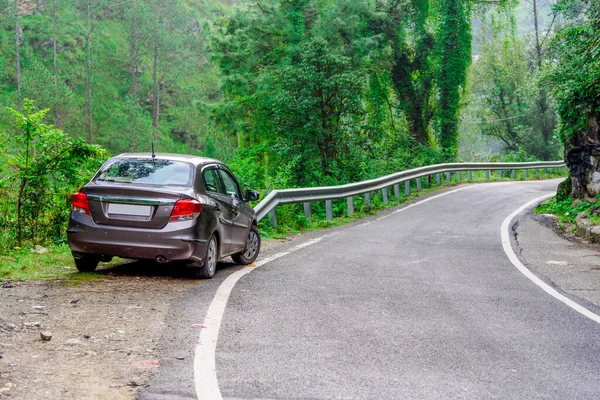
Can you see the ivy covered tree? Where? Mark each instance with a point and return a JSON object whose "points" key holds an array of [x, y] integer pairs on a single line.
{"points": [[575, 83]]}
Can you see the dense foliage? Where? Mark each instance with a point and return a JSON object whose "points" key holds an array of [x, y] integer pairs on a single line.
{"points": [[575, 78], [289, 92], [39, 169]]}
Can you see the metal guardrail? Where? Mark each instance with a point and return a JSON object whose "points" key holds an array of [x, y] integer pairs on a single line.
{"points": [[330, 193]]}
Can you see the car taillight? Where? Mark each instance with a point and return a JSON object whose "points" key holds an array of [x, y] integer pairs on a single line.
{"points": [[80, 203], [186, 209]]}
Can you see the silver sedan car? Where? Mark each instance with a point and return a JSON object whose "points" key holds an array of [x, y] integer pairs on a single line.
{"points": [[163, 207]]}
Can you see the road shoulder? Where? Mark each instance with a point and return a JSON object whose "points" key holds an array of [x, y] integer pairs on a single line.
{"points": [[567, 264]]}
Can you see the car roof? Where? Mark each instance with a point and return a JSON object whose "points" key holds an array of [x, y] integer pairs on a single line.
{"points": [[196, 160]]}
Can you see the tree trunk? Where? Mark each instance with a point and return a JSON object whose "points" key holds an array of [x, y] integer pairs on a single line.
{"points": [[133, 65], [155, 93], [582, 155], [88, 92], [57, 121], [18, 55], [542, 100]]}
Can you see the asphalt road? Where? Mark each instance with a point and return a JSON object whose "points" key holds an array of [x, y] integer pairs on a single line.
{"points": [[422, 304]]}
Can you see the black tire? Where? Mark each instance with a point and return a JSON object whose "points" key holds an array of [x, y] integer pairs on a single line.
{"points": [[86, 262], [248, 256], [209, 267]]}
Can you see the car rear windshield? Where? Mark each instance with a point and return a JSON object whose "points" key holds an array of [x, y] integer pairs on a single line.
{"points": [[147, 171]]}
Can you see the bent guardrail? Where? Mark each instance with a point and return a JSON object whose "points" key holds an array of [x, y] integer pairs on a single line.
{"points": [[348, 191]]}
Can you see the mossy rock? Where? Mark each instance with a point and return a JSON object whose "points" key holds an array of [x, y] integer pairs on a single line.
{"points": [[564, 190]]}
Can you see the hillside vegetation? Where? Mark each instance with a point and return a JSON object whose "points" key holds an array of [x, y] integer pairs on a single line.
{"points": [[288, 92]]}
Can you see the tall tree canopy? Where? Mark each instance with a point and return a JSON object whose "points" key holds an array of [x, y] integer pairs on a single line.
{"points": [[575, 82]]}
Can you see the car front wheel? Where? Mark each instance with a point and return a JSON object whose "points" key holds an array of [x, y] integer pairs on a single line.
{"points": [[248, 256]]}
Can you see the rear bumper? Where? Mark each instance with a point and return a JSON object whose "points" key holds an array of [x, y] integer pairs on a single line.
{"points": [[176, 241]]}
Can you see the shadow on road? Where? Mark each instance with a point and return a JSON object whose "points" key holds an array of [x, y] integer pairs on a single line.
{"points": [[148, 268]]}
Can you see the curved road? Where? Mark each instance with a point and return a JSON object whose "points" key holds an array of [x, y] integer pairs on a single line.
{"points": [[420, 304]]}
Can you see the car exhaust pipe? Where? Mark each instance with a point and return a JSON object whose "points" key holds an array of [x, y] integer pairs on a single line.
{"points": [[161, 259]]}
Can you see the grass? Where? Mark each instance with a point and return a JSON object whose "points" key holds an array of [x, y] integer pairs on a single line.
{"points": [[566, 211], [56, 264]]}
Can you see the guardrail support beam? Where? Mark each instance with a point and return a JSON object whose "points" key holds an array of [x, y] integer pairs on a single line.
{"points": [[513, 174], [397, 191], [487, 174], [273, 217], [500, 174], [368, 199], [438, 179], [526, 173], [407, 188], [419, 183], [350, 206], [329, 209], [384, 192], [459, 175], [469, 175], [448, 176], [307, 211]]}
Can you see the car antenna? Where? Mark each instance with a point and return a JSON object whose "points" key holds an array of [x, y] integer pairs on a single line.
{"points": [[153, 155]]}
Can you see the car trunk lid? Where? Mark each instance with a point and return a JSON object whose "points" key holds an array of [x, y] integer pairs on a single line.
{"points": [[131, 206]]}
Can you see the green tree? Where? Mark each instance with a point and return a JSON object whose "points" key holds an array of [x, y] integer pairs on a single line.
{"points": [[575, 82], [505, 90], [46, 165]]}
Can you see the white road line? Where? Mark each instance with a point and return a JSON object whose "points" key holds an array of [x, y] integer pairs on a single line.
{"points": [[505, 232], [205, 373]]}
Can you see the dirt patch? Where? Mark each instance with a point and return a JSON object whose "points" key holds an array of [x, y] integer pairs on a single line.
{"points": [[104, 334]]}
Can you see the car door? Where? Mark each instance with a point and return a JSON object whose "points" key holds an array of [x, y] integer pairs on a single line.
{"points": [[216, 191], [241, 218]]}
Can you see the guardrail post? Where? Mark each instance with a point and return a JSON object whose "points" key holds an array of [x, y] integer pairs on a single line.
{"points": [[459, 175], [397, 191], [272, 214], [307, 211], [368, 199], [438, 179], [419, 183], [526, 173], [469, 175], [499, 174], [513, 174], [407, 188], [350, 206], [487, 174], [329, 209], [545, 171], [448, 176], [384, 192]]}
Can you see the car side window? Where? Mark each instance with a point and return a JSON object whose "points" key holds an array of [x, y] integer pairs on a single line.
{"points": [[212, 182], [231, 186]]}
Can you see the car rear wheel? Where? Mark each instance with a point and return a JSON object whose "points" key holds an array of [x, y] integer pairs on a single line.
{"points": [[208, 269], [86, 262], [248, 256]]}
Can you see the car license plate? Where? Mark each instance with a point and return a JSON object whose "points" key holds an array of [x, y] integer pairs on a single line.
{"points": [[129, 209]]}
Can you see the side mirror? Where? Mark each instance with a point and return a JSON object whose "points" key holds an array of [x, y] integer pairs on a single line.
{"points": [[252, 195]]}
